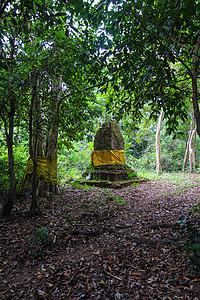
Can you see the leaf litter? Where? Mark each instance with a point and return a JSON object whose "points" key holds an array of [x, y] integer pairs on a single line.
{"points": [[94, 243]]}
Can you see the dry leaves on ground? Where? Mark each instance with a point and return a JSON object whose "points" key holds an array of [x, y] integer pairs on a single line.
{"points": [[94, 243]]}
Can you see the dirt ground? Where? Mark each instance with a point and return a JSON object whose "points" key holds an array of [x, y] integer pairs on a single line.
{"points": [[94, 243]]}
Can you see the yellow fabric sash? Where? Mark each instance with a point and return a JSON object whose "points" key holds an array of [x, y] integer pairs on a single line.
{"points": [[46, 167], [107, 157]]}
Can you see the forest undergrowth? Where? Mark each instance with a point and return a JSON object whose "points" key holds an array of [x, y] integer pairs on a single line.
{"points": [[92, 243]]}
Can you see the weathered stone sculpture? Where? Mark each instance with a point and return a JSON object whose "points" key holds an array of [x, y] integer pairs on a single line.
{"points": [[109, 137], [108, 158]]}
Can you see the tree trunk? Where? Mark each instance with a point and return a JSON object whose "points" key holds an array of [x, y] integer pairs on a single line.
{"points": [[52, 132], [194, 149], [195, 74], [37, 120], [192, 146], [33, 147], [187, 146], [8, 205], [39, 186], [158, 151]]}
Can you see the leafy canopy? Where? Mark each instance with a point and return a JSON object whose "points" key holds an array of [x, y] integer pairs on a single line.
{"points": [[148, 49]]}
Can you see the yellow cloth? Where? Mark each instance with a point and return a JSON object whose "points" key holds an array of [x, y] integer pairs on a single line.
{"points": [[46, 167], [108, 157]]}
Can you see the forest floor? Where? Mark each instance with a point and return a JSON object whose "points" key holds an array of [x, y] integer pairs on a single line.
{"points": [[94, 243]]}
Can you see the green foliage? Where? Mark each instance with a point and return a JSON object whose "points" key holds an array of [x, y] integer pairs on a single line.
{"points": [[21, 156], [86, 207], [39, 44], [76, 184], [119, 201], [138, 64], [73, 162], [20, 153], [41, 235], [141, 152], [4, 178], [195, 209], [148, 48]]}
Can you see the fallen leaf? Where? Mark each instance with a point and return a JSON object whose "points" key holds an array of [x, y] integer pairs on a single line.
{"points": [[40, 292], [67, 273], [96, 252], [43, 268], [49, 284]]}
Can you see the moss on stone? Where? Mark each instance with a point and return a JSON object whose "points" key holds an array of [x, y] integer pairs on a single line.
{"points": [[109, 137], [114, 172]]}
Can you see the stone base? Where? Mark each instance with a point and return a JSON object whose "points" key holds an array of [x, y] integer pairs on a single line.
{"points": [[110, 184], [114, 172], [106, 175]]}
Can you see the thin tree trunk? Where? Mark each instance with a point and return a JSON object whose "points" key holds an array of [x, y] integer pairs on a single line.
{"points": [[34, 206], [158, 150], [187, 146], [8, 205], [37, 120], [195, 74], [52, 132], [192, 150]]}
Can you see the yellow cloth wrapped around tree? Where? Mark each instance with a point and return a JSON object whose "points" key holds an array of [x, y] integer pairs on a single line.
{"points": [[108, 157], [46, 167]]}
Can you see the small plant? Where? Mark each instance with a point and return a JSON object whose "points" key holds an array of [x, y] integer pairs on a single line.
{"points": [[88, 187], [40, 235], [75, 184], [120, 201], [134, 184], [117, 200], [196, 208], [132, 175], [102, 202], [84, 206], [157, 202]]}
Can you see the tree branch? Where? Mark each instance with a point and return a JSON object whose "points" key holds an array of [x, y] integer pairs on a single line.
{"points": [[157, 40], [85, 89], [194, 60], [179, 44]]}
